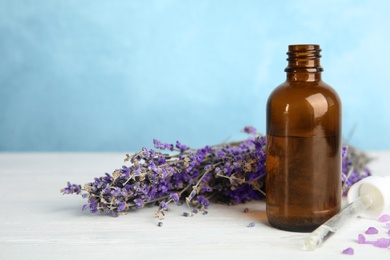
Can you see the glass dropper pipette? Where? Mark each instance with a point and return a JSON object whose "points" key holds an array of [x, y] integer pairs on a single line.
{"points": [[369, 198]]}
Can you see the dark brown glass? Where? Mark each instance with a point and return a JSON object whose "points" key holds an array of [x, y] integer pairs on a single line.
{"points": [[303, 180]]}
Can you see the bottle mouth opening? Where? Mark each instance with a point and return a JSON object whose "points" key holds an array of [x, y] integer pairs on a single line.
{"points": [[304, 57], [304, 47], [303, 51]]}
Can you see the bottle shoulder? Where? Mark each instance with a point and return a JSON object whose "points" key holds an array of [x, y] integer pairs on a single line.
{"points": [[298, 91], [315, 100], [302, 110]]}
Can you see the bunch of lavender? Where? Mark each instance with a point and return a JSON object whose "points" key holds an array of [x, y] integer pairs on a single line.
{"points": [[231, 172], [354, 167]]}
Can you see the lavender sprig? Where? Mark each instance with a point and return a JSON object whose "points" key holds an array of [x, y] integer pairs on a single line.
{"points": [[354, 167], [230, 172]]}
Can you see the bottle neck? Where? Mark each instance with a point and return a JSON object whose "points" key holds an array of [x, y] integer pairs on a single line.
{"points": [[304, 63], [303, 76]]}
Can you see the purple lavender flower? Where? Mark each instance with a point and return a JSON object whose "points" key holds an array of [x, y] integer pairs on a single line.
{"points": [[71, 188], [158, 144], [354, 167], [162, 146], [181, 146], [250, 130], [174, 196], [115, 191], [93, 205], [231, 173], [344, 152], [139, 203], [161, 160], [121, 207], [203, 201], [163, 205]]}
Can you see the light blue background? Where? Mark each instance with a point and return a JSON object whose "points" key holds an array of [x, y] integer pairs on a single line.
{"points": [[112, 75]]}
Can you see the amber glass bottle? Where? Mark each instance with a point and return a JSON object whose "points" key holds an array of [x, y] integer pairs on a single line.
{"points": [[303, 166]]}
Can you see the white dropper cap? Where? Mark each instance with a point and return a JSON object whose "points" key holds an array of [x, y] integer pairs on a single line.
{"points": [[376, 187]]}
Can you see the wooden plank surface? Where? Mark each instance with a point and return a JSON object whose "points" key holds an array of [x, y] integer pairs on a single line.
{"points": [[37, 222]]}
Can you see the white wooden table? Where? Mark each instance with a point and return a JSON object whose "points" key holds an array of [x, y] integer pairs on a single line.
{"points": [[37, 222]]}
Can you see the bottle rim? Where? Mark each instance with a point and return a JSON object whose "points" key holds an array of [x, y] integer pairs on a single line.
{"points": [[304, 57], [304, 47]]}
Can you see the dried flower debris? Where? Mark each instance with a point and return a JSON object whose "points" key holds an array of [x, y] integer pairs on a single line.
{"points": [[252, 224], [384, 218], [381, 242], [371, 231], [230, 172], [348, 251]]}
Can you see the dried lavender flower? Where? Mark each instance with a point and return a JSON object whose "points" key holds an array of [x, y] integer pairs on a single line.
{"points": [[371, 231], [252, 224], [382, 243], [230, 172], [361, 239], [354, 167], [384, 218], [348, 251]]}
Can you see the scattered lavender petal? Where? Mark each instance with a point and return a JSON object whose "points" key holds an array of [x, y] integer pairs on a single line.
{"points": [[205, 212], [371, 231], [348, 251], [361, 239], [252, 224], [185, 214], [382, 242], [160, 224], [384, 218]]}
